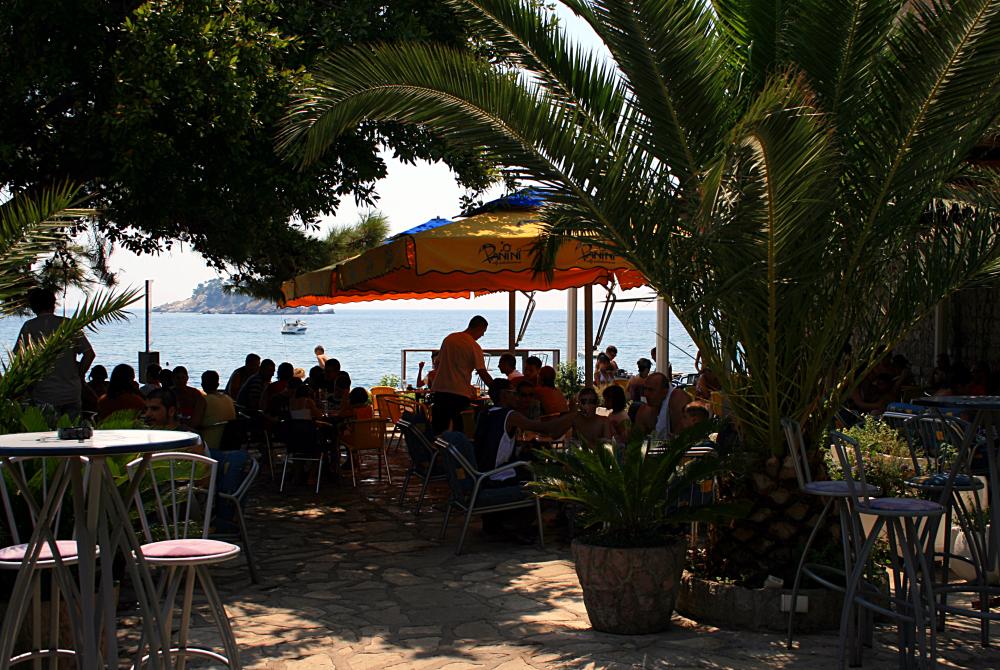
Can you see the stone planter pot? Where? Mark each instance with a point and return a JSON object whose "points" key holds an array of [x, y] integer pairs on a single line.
{"points": [[732, 606], [629, 591]]}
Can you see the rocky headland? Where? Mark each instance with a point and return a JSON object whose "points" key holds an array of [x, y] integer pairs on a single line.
{"points": [[212, 298]]}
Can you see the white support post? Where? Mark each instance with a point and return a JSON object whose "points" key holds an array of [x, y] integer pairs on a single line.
{"points": [[571, 313], [588, 334], [662, 334], [511, 320]]}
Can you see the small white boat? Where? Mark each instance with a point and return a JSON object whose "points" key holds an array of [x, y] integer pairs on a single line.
{"points": [[296, 327]]}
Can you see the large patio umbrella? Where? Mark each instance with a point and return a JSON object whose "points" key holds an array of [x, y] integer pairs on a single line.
{"points": [[491, 250], [483, 253]]}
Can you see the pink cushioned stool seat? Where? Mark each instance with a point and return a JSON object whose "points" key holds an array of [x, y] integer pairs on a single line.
{"points": [[16, 553], [189, 549]]}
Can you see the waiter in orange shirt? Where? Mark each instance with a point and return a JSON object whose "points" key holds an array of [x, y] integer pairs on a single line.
{"points": [[453, 392]]}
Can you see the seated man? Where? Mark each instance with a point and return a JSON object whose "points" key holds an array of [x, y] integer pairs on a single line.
{"points": [[161, 414], [662, 415], [695, 413], [508, 366], [240, 375], [152, 379], [252, 390], [634, 389], [532, 365], [497, 429], [219, 408], [190, 401], [551, 399]]}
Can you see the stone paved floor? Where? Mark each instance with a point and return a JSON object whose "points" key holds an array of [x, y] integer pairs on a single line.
{"points": [[350, 581]]}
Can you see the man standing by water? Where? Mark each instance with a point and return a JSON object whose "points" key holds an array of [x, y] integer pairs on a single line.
{"points": [[460, 354], [61, 387]]}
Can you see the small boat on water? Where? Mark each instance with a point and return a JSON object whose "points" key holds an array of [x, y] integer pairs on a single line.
{"points": [[296, 327]]}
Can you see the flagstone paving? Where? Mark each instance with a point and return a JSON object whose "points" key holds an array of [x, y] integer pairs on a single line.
{"points": [[350, 581]]}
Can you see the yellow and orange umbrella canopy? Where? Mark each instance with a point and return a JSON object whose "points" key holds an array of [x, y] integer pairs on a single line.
{"points": [[483, 253]]}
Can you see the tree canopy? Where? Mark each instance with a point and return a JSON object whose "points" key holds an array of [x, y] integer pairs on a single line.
{"points": [[165, 113], [793, 176]]}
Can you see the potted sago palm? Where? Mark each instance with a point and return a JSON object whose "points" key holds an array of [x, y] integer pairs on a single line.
{"points": [[634, 511]]}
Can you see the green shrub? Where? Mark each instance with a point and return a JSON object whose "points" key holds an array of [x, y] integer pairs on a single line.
{"points": [[886, 457]]}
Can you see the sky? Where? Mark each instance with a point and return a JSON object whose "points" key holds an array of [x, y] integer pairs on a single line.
{"points": [[408, 196]]}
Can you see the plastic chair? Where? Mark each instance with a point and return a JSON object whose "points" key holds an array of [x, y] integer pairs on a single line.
{"points": [[175, 497], [64, 552], [366, 435], [377, 391], [235, 498], [424, 462], [468, 493], [911, 525], [834, 494], [391, 408], [302, 443]]}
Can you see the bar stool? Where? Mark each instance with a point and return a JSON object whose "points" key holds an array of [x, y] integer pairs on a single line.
{"points": [[833, 494], [54, 553], [180, 489], [936, 433], [911, 524]]}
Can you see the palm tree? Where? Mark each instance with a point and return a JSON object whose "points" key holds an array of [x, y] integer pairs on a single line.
{"points": [[30, 230], [791, 175]]}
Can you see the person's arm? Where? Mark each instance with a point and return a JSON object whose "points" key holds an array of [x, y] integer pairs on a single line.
{"points": [[484, 375], [420, 374], [86, 361], [645, 419], [678, 401], [551, 427]]}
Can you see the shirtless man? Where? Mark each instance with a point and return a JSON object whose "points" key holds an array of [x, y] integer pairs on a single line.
{"points": [[320, 355], [634, 389], [590, 428], [663, 413]]}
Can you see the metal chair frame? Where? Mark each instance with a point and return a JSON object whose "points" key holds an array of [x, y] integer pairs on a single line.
{"points": [[911, 526], [367, 435], [426, 472], [236, 499], [290, 448], [933, 430], [834, 494], [469, 504]]}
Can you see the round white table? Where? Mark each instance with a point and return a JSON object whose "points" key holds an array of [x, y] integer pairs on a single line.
{"points": [[102, 530]]}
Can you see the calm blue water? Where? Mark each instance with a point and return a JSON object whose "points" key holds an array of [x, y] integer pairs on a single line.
{"points": [[367, 342]]}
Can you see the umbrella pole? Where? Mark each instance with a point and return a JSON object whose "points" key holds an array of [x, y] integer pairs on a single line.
{"points": [[662, 335], [571, 331], [511, 321]]}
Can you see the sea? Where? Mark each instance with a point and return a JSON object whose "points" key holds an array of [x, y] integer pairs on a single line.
{"points": [[368, 343]]}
